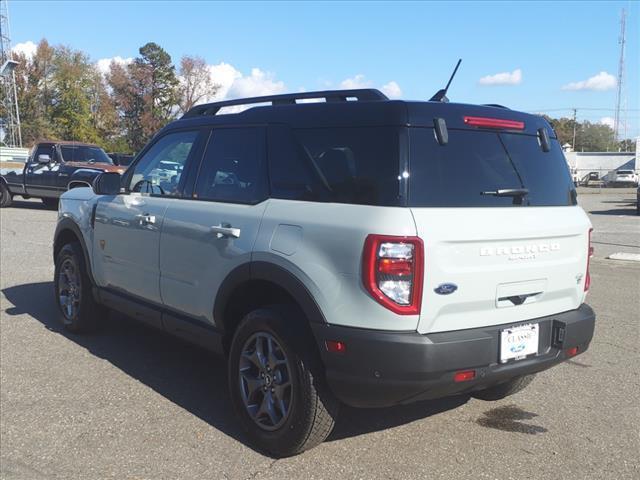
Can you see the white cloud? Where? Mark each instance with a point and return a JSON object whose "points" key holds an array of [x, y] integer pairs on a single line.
{"points": [[392, 90], [608, 121], [257, 84], [27, 48], [234, 84], [105, 63], [503, 78], [359, 81], [601, 81]]}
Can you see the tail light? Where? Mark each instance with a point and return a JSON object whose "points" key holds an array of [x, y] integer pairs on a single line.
{"points": [[393, 272], [587, 280]]}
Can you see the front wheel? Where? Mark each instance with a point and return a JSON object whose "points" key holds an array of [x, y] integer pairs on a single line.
{"points": [[79, 310], [5, 196], [279, 396], [502, 390]]}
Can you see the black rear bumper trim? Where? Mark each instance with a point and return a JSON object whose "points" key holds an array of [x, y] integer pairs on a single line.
{"points": [[387, 368]]}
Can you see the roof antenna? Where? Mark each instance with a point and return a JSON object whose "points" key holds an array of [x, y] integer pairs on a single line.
{"points": [[441, 95]]}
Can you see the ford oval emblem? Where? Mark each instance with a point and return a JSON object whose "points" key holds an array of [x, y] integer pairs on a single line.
{"points": [[445, 288]]}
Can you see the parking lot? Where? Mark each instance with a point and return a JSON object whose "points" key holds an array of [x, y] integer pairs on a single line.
{"points": [[131, 403]]}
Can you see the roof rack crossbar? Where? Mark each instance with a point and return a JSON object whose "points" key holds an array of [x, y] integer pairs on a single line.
{"points": [[361, 95]]}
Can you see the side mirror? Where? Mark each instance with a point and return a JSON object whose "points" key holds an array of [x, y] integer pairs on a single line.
{"points": [[107, 183], [44, 158]]}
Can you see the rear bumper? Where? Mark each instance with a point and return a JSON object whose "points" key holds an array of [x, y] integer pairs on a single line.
{"points": [[382, 368]]}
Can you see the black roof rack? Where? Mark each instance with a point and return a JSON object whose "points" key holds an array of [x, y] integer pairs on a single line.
{"points": [[495, 105], [361, 95]]}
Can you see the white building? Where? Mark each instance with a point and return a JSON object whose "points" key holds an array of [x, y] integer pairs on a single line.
{"points": [[604, 163]]}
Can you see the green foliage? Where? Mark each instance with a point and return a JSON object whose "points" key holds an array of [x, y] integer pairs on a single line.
{"points": [[34, 88], [71, 109], [589, 137], [144, 94]]}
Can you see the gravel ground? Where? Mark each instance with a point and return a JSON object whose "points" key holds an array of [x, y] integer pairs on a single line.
{"points": [[132, 403]]}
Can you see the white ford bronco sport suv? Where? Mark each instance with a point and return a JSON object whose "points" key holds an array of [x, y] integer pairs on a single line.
{"points": [[325, 249]]}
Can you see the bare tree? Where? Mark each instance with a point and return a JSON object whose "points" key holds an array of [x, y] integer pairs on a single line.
{"points": [[196, 84]]}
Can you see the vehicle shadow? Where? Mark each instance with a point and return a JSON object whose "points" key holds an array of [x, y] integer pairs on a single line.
{"points": [[630, 210], [29, 204], [621, 201], [191, 377]]}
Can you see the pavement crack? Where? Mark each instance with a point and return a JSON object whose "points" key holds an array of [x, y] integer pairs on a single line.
{"points": [[262, 470]]}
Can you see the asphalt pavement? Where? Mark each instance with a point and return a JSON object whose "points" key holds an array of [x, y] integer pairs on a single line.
{"points": [[131, 403]]}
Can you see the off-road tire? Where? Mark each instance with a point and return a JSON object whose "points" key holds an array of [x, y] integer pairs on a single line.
{"points": [[502, 390], [89, 313], [6, 199], [313, 408]]}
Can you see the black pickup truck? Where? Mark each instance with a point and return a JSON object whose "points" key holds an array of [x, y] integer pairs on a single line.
{"points": [[53, 168]]}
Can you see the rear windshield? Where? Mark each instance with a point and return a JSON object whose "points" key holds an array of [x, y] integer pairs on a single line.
{"points": [[476, 167], [82, 153]]}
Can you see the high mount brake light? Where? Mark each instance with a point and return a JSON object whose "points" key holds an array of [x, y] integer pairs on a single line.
{"points": [[494, 123], [587, 280], [393, 272]]}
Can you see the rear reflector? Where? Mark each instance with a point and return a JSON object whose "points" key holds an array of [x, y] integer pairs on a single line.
{"points": [[494, 123], [335, 346], [571, 352], [464, 376]]}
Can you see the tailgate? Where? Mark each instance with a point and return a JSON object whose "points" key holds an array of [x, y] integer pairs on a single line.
{"points": [[509, 264]]}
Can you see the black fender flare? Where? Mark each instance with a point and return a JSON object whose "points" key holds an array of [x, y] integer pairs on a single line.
{"points": [[271, 273], [84, 175], [67, 224]]}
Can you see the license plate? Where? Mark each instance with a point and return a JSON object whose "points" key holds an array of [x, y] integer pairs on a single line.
{"points": [[518, 342]]}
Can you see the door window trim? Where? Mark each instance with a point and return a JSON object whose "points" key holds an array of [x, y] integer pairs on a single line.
{"points": [[196, 151], [264, 175]]}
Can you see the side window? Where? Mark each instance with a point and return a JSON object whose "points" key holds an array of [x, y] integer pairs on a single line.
{"points": [[233, 168], [359, 165], [159, 171], [42, 150], [291, 172]]}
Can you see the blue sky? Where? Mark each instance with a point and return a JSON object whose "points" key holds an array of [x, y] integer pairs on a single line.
{"points": [[409, 48]]}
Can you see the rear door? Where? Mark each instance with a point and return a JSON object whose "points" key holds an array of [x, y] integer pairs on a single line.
{"points": [[205, 237], [512, 258]]}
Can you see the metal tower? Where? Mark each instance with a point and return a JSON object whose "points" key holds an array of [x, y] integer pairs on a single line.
{"points": [[621, 42], [9, 112]]}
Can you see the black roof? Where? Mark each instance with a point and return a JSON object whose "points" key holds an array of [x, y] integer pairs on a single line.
{"points": [[349, 108]]}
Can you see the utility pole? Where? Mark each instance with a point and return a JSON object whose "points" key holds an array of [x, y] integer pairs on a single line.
{"points": [[575, 116], [10, 120], [621, 42]]}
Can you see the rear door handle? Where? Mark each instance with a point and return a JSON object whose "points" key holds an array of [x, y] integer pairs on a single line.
{"points": [[225, 231]]}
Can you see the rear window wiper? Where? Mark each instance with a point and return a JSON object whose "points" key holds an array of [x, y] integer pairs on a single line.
{"points": [[507, 192]]}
